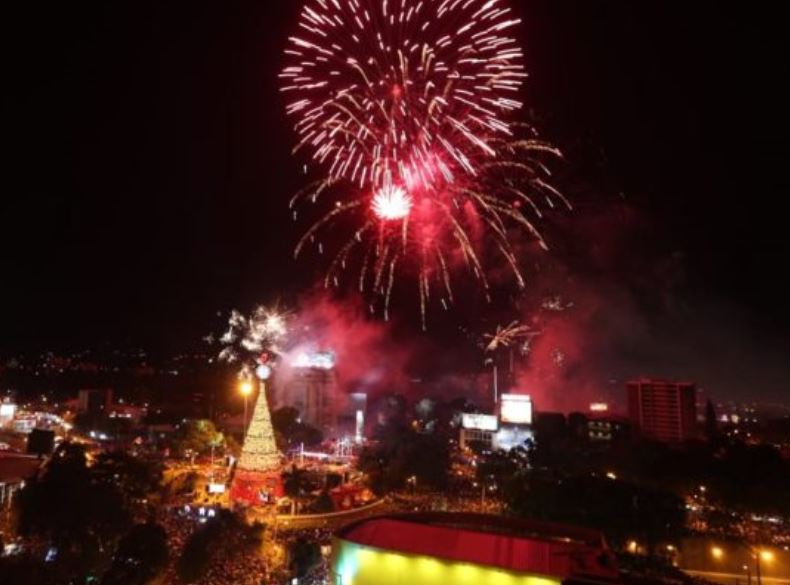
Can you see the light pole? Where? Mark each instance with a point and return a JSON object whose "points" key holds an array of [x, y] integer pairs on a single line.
{"points": [[748, 571], [757, 568], [496, 385], [765, 556], [246, 389], [212, 463]]}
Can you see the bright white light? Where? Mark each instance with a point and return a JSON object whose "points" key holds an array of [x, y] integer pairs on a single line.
{"points": [[319, 360], [263, 372], [391, 203]]}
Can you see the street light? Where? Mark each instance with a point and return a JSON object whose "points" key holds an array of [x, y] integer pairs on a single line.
{"points": [[717, 552], [761, 556], [246, 389], [765, 556], [748, 572]]}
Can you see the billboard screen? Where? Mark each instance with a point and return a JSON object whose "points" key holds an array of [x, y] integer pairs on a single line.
{"points": [[7, 410], [480, 422], [516, 409]]}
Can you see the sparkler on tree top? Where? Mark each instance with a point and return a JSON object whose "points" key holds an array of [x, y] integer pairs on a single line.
{"points": [[407, 108]]}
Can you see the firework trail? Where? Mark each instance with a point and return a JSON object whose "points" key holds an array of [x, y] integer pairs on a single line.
{"points": [[253, 340], [407, 108], [508, 336], [556, 304]]}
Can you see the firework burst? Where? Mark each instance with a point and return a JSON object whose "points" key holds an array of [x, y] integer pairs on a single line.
{"points": [[407, 108], [402, 90], [391, 203], [253, 340]]}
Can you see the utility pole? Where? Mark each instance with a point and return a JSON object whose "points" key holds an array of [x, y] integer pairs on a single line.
{"points": [[496, 384]]}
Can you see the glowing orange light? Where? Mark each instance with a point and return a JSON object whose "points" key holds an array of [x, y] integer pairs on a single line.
{"points": [[766, 556], [245, 388]]}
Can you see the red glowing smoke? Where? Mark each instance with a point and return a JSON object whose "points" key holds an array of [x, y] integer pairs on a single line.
{"points": [[368, 358]]}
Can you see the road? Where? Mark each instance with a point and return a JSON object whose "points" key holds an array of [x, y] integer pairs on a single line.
{"points": [[331, 521], [733, 579]]}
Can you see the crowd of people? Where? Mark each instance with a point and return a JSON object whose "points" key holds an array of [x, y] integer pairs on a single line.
{"points": [[223, 569], [236, 570], [442, 503]]}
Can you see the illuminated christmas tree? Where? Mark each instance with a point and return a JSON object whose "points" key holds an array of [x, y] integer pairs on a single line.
{"points": [[257, 477], [259, 452]]}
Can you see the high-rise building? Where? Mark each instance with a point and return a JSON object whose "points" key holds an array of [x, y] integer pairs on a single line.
{"points": [[313, 390], [94, 401], [663, 411]]}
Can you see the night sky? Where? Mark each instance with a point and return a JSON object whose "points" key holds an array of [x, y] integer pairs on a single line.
{"points": [[150, 168]]}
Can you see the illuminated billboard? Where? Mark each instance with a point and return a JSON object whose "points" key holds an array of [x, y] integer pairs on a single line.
{"points": [[479, 422], [7, 412], [516, 409]]}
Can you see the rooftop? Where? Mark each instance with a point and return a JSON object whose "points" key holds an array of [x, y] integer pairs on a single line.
{"points": [[523, 546]]}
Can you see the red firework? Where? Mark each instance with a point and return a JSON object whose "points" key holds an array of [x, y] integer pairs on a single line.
{"points": [[407, 108], [404, 91]]}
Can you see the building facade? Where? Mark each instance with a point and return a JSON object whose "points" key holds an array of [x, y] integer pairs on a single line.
{"points": [[663, 411]]}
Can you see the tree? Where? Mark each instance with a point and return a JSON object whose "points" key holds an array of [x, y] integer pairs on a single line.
{"points": [[620, 509], [296, 484], [136, 479], [197, 437], [502, 466], [140, 557], [292, 430], [402, 453], [393, 411], [79, 516]]}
